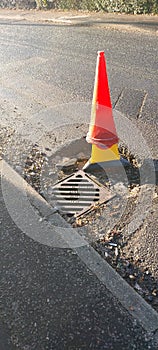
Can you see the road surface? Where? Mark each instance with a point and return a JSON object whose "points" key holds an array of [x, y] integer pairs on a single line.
{"points": [[46, 63]]}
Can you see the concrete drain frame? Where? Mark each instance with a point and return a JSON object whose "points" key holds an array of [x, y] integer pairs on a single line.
{"points": [[79, 193]]}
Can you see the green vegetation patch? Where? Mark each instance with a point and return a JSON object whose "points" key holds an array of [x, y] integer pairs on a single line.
{"points": [[121, 6]]}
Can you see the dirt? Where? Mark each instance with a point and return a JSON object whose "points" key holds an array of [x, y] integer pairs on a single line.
{"points": [[113, 21]]}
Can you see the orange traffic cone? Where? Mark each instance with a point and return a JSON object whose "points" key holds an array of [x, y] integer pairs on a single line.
{"points": [[102, 132]]}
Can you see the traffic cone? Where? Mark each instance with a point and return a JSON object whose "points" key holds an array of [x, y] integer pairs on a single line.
{"points": [[102, 132]]}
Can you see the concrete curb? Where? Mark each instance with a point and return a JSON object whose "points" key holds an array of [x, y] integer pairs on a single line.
{"points": [[25, 205], [136, 306], [127, 296]]}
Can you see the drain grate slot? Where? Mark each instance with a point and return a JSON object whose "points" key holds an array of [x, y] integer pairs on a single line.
{"points": [[77, 193]]}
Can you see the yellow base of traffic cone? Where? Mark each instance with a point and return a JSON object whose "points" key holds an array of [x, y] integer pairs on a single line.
{"points": [[99, 155], [105, 159]]}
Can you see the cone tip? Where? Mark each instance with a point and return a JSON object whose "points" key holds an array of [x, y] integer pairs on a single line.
{"points": [[101, 53]]}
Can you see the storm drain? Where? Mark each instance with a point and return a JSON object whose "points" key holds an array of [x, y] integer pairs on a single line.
{"points": [[78, 193]]}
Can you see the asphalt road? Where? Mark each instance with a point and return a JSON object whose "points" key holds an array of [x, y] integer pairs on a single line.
{"points": [[43, 65]]}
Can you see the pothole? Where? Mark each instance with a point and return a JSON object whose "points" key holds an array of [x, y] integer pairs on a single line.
{"points": [[95, 224], [43, 172], [104, 225]]}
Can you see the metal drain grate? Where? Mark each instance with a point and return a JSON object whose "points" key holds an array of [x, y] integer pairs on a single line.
{"points": [[77, 193]]}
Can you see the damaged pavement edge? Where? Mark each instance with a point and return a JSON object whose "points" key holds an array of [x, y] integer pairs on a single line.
{"points": [[120, 289]]}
